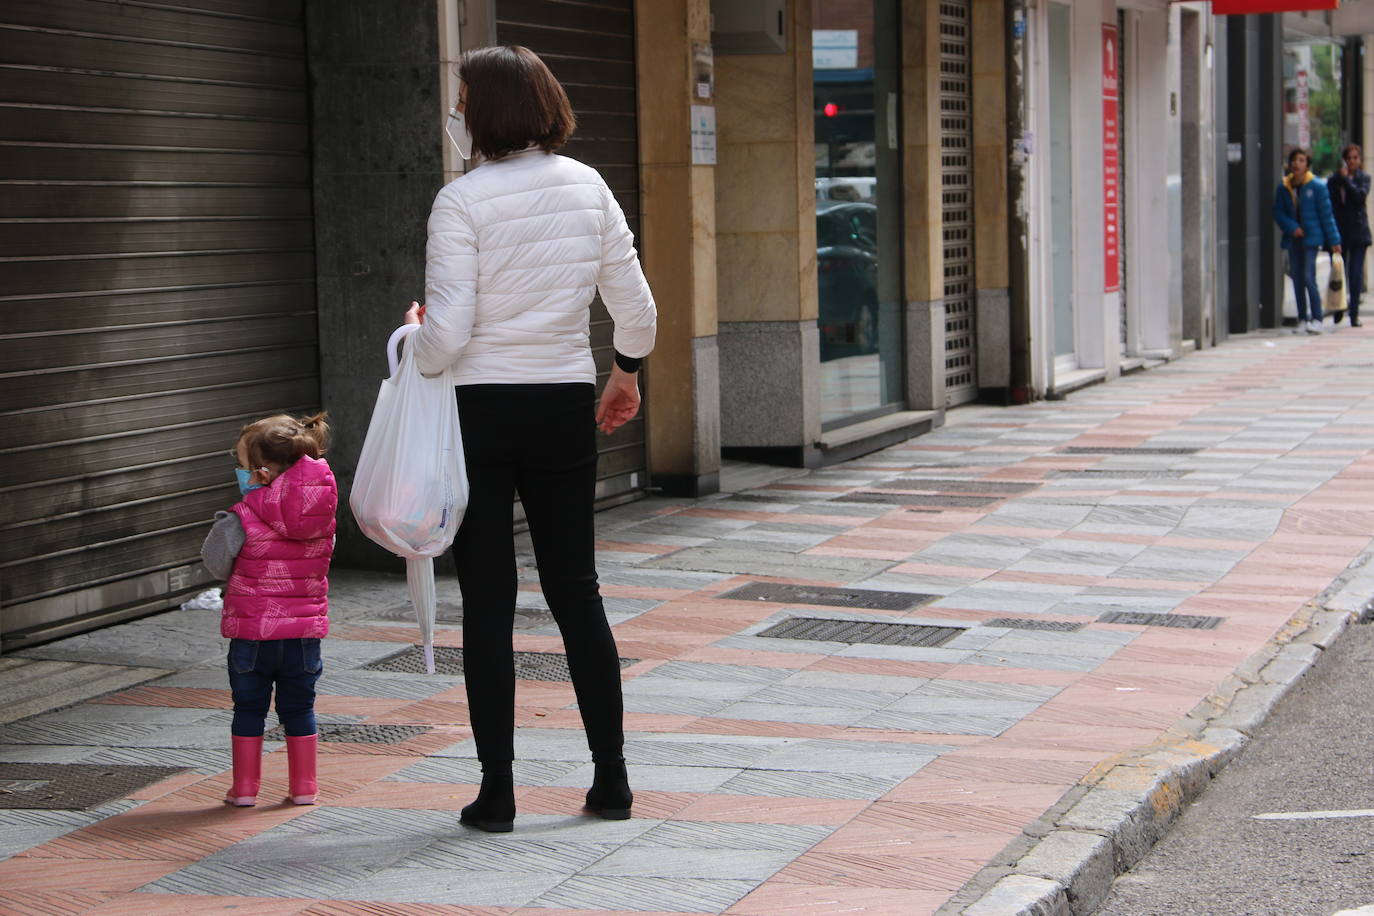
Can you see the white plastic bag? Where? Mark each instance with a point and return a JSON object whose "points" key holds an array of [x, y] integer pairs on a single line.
{"points": [[411, 486]]}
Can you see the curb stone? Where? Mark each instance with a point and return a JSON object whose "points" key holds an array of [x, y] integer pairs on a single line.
{"points": [[1125, 805]]}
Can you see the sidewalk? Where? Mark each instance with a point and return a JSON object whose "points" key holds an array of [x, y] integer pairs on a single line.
{"points": [[774, 774]]}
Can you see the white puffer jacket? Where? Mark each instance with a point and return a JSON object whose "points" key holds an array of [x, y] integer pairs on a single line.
{"points": [[517, 249]]}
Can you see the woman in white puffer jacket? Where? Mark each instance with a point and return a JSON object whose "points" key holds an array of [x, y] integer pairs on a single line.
{"points": [[518, 248]]}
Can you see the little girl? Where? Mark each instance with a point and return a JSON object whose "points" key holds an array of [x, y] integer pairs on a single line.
{"points": [[274, 547]]}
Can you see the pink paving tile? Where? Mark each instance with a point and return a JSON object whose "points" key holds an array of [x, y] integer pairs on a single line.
{"points": [[1047, 738], [865, 870], [863, 553], [190, 904], [934, 818], [724, 655], [876, 666], [972, 573], [375, 908], [779, 899], [166, 786], [1028, 797], [37, 873], [177, 697], [438, 796], [992, 764], [989, 674], [752, 809], [49, 903]]}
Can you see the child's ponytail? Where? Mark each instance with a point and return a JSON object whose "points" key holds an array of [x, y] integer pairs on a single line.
{"points": [[282, 440]]}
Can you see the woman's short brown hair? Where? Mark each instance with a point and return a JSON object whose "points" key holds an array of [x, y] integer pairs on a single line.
{"points": [[513, 100]]}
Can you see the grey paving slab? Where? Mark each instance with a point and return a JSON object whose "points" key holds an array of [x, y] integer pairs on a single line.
{"points": [[753, 560], [380, 685], [177, 639], [795, 784], [978, 690], [207, 761], [790, 838], [998, 707], [45, 753], [709, 672], [810, 715], [476, 852], [712, 864], [730, 751], [681, 895], [849, 699], [843, 680], [1034, 661], [660, 778], [684, 577], [265, 879], [674, 705], [113, 713], [448, 887], [102, 735], [29, 686], [939, 723], [670, 686], [465, 770]]}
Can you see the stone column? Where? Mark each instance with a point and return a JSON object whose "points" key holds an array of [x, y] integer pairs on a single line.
{"points": [[993, 300], [678, 244], [376, 127], [925, 259], [766, 251]]}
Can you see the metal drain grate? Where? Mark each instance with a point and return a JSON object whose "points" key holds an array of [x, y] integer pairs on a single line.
{"points": [[946, 485], [1022, 623], [862, 631], [1122, 472], [912, 499], [529, 666], [1124, 450], [360, 734], [1144, 619], [73, 786], [867, 599]]}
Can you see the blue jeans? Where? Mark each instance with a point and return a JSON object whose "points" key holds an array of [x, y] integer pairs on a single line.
{"points": [[255, 665], [1302, 267], [1354, 276]]}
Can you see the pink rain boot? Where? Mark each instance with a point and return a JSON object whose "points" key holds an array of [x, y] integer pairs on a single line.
{"points": [[300, 765], [247, 753]]}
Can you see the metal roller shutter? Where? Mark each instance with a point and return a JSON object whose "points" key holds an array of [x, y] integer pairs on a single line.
{"points": [[956, 195], [157, 280], [590, 47]]}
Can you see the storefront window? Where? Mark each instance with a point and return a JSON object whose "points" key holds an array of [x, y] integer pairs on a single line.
{"points": [[1312, 101], [858, 207]]}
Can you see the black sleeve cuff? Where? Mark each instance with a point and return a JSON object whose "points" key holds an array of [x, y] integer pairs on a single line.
{"points": [[627, 363]]}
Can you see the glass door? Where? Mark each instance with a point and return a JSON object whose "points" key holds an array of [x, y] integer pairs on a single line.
{"points": [[857, 73]]}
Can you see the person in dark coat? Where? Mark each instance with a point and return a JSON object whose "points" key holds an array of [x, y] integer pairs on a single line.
{"points": [[1349, 188], [1302, 208]]}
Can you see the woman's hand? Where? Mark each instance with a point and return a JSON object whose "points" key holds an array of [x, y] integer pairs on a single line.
{"points": [[415, 314], [1335, 249], [1297, 233], [619, 400]]}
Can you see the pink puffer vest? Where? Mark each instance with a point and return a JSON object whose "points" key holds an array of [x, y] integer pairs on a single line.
{"points": [[279, 589]]}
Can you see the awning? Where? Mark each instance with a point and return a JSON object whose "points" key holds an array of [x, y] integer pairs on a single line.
{"points": [[1243, 7]]}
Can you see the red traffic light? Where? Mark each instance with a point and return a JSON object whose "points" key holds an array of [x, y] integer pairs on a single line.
{"points": [[831, 109]]}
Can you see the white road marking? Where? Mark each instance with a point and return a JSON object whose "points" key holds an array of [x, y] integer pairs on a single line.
{"points": [[1313, 815]]}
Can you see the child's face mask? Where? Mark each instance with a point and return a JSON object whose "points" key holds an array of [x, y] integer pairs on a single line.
{"points": [[245, 479]]}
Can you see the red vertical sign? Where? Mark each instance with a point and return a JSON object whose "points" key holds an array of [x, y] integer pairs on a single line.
{"points": [[1111, 162]]}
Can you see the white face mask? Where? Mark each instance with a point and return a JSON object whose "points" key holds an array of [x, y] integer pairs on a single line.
{"points": [[457, 130]]}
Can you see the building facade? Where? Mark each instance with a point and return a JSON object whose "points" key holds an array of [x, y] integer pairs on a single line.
{"points": [[856, 215]]}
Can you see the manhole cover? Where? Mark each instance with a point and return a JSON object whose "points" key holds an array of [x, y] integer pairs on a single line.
{"points": [[1145, 619], [1022, 623], [862, 598], [912, 499], [862, 631], [73, 786], [1121, 472], [529, 666], [1124, 450], [526, 618], [360, 734], [945, 485]]}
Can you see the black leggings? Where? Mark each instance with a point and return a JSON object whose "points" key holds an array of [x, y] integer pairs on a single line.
{"points": [[539, 441]]}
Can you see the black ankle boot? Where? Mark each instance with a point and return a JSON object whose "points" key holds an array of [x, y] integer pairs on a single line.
{"points": [[494, 809], [610, 796]]}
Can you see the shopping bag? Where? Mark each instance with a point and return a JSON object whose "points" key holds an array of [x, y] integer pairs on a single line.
{"points": [[411, 486], [1334, 301]]}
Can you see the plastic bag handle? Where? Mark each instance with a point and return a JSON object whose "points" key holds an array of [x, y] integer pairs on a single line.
{"points": [[393, 346]]}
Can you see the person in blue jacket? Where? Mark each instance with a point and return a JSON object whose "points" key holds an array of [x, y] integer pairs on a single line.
{"points": [[1302, 208], [1349, 189]]}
